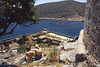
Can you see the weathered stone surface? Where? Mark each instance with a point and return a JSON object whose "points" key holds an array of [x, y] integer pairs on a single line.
{"points": [[14, 51], [70, 45], [92, 28], [71, 65], [80, 45], [70, 55], [69, 51], [92, 62], [80, 50], [59, 47], [82, 64], [18, 59], [98, 65], [3, 61], [66, 66]]}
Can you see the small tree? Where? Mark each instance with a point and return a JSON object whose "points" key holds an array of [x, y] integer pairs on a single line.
{"points": [[49, 42], [5, 43], [14, 13], [28, 43], [38, 40], [22, 39], [1, 47], [21, 49]]}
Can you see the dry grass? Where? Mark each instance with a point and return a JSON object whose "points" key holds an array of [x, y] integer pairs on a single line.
{"points": [[13, 59], [42, 44], [47, 63], [53, 60], [67, 61], [53, 46], [69, 49], [30, 43]]}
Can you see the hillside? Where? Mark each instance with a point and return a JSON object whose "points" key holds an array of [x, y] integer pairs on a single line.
{"points": [[63, 9]]}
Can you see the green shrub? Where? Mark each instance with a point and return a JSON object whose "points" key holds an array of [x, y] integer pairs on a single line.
{"points": [[43, 44], [53, 55], [21, 49], [5, 43], [7, 47], [1, 47], [38, 40], [22, 39], [49, 42]]}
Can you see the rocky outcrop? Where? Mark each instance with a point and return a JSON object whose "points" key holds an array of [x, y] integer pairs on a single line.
{"points": [[68, 54], [92, 28], [91, 35], [92, 31], [80, 50], [80, 45]]}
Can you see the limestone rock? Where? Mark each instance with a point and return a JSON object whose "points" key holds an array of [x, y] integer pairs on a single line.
{"points": [[3, 61], [66, 66], [82, 64], [80, 50], [18, 59], [60, 47], [98, 65], [70, 45], [80, 45], [70, 55]]}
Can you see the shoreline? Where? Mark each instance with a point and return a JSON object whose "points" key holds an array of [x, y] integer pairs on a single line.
{"points": [[52, 18], [60, 19]]}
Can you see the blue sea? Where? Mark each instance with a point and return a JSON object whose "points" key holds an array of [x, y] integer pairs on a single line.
{"points": [[69, 28]]}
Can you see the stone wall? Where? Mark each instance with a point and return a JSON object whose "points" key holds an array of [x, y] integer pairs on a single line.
{"points": [[92, 28]]}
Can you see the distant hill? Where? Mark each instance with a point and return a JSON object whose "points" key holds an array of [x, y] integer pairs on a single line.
{"points": [[63, 9]]}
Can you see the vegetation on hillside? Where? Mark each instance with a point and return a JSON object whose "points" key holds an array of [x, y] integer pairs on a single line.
{"points": [[61, 9]]}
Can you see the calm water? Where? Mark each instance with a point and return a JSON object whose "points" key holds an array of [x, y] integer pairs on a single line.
{"points": [[70, 28]]}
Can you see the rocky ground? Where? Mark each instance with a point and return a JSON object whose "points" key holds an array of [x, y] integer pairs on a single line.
{"points": [[67, 54]]}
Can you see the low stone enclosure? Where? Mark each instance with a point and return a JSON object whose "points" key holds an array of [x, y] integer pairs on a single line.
{"points": [[44, 35]]}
